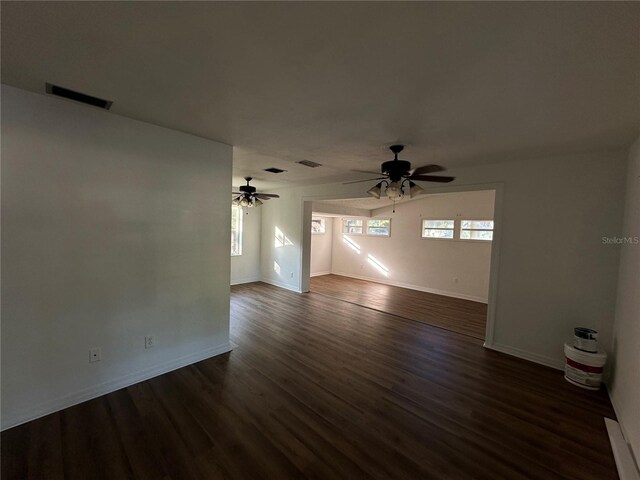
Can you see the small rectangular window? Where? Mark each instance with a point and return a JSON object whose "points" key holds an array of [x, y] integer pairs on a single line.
{"points": [[437, 228], [379, 227], [476, 230], [352, 226], [317, 225], [236, 230]]}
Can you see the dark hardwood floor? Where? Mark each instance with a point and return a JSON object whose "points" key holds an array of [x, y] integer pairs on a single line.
{"points": [[328, 390], [455, 314]]}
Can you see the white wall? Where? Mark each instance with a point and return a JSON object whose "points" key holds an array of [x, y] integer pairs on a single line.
{"points": [[554, 272], [321, 248], [280, 264], [111, 230], [625, 375], [459, 268], [246, 267]]}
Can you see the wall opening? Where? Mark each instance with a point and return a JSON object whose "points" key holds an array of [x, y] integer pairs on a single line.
{"points": [[433, 260]]}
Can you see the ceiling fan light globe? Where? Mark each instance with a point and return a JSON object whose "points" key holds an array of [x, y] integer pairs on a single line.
{"points": [[257, 203], [244, 202], [394, 191]]}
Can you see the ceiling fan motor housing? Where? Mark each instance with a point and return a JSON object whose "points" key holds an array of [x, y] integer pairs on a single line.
{"points": [[396, 169], [247, 189]]}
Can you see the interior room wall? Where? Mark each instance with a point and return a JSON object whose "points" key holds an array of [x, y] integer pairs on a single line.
{"points": [[458, 268], [624, 384], [280, 261], [246, 267], [321, 248], [111, 231], [554, 272]]}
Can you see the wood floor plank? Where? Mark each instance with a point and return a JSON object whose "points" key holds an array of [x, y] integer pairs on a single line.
{"points": [[45, 458], [138, 443], [325, 389], [455, 314], [89, 440]]}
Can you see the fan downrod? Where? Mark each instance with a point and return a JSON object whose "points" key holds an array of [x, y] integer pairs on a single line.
{"points": [[396, 149]]}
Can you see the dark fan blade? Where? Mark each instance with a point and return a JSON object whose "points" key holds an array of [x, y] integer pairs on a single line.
{"points": [[432, 178], [367, 180], [266, 196], [427, 169], [236, 193], [366, 171]]}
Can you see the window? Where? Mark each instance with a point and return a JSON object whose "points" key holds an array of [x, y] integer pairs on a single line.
{"points": [[437, 228], [352, 226], [476, 230], [236, 230], [380, 227], [318, 225]]}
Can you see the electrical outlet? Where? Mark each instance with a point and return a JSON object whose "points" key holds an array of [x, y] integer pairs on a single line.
{"points": [[95, 354], [149, 341]]}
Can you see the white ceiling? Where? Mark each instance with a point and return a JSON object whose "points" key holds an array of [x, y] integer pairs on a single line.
{"points": [[459, 82], [368, 203]]}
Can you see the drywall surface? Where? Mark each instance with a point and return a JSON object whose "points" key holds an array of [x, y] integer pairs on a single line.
{"points": [[246, 267], [282, 233], [111, 231], [554, 271], [458, 268], [321, 248], [625, 372]]}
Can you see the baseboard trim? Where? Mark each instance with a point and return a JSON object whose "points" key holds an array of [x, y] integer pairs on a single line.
{"points": [[525, 355], [414, 287], [246, 280], [317, 274], [627, 468], [635, 459], [276, 283], [89, 393]]}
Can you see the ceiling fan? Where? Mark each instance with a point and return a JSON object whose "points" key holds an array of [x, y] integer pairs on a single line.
{"points": [[248, 197], [398, 177]]}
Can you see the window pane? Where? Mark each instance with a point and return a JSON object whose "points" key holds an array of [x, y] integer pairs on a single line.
{"points": [[379, 223], [352, 225], [353, 222], [379, 227], [437, 223], [236, 230], [476, 234], [477, 224], [437, 233], [477, 230], [317, 225]]}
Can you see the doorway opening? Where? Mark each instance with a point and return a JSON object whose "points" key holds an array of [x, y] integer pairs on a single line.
{"points": [[429, 261]]}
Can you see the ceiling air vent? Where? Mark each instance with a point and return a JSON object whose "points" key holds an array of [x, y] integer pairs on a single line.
{"points": [[77, 96], [274, 170], [309, 163]]}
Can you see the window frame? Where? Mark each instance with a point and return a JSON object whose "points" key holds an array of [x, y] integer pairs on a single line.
{"points": [[476, 240], [323, 222], [240, 229], [362, 226], [382, 235], [452, 229]]}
